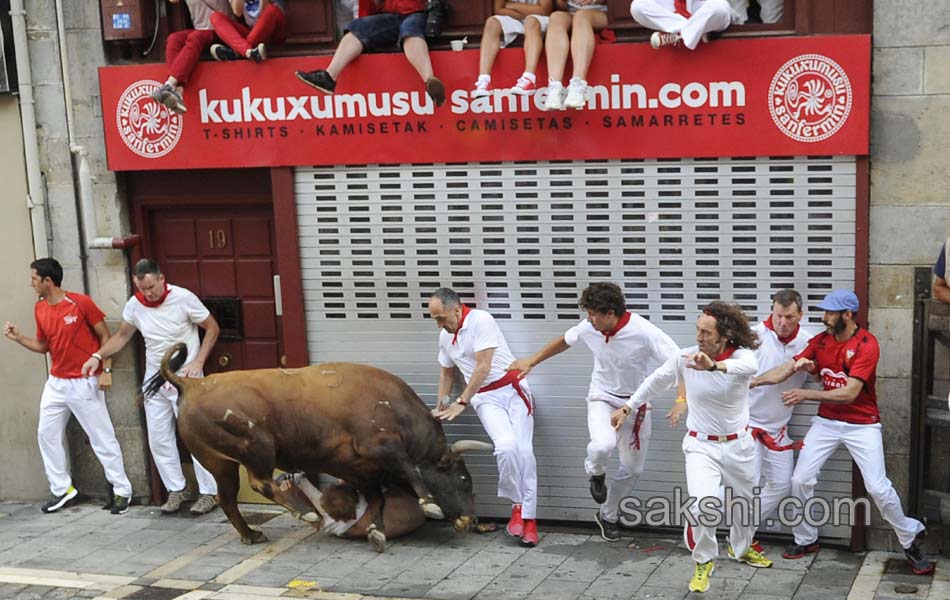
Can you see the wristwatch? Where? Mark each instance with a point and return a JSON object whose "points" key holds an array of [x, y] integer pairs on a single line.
{"points": [[107, 370], [714, 367]]}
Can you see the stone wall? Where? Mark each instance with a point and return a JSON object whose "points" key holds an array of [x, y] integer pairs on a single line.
{"points": [[910, 201]]}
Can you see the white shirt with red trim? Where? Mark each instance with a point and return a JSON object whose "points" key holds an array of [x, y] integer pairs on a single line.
{"points": [[479, 332], [622, 361], [175, 320], [718, 402], [766, 409]]}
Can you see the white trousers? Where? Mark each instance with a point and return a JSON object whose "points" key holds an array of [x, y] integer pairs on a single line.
{"points": [[603, 440], [771, 11], [707, 16], [773, 473], [161, 413], [83, 398], [506, 420], [866, 447], [709, 466]]}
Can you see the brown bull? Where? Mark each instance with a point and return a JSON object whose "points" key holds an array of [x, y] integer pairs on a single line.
{"points": [[355, 422]]}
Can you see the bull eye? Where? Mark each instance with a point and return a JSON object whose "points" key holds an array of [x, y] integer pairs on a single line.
{"points": [[462, 476]]}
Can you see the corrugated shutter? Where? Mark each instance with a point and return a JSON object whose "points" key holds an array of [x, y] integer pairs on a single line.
{"points": [[522, 240]]}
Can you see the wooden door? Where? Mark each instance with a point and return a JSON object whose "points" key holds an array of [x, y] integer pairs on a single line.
{"points": [[226, 257]]}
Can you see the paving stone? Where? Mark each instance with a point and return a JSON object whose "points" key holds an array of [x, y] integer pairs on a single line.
{"points": [[403, 589], [487, 594], [616, 585], [807, 591], [747, 596], [459, 587], [519, 578], [31, 592], [831, 573], [551, 589], [647, 592], [270, 575], [723, 588], [775, 582], [487, 563], [363, 581]]}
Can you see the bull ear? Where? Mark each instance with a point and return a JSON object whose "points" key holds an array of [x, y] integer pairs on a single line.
{"points": [[462, 446]]}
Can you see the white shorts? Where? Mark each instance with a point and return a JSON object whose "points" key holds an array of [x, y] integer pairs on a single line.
{"points": [[512, 27]]}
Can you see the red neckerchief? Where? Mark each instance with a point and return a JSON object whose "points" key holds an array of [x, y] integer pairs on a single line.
{"points": [[620, 324], [784, 340], [730, 349], [141, 298], [465, 311], [679, 6]]}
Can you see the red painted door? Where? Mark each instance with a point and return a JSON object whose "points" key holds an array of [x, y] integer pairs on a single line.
{"points": [[226, 257]]}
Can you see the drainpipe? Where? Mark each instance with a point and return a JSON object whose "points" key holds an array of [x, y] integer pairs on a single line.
{"points": [[86, 200], [36, 196]]}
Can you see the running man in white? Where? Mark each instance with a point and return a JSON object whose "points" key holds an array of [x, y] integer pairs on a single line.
{"points": [[682, 21], [471, 340], [719, 450], [845, 357], [781, 337], [624, 345], [166, 315], [70, 327]]}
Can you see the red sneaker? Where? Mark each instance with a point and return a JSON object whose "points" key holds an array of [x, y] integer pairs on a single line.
{"points": [[515, 526], [530, 537]]}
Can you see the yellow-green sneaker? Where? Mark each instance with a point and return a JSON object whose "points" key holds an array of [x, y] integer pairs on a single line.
{"points": [[753, 558], [700, 580]]}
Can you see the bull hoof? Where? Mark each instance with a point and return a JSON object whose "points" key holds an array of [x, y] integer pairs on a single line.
{"points": [[377, 539], [432, 511], [256, 537]]}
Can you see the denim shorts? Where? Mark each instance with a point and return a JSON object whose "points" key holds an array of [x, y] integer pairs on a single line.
{"points": [[385, 29]]}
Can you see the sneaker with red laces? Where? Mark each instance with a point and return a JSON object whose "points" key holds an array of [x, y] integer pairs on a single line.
{"points": [[530, 537], [523, 87], [755, 545], [515, 526], [481, 89], [659, 39]]}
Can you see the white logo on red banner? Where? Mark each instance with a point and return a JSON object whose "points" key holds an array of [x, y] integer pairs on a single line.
{"points": [[810, 98], [148, 128]]}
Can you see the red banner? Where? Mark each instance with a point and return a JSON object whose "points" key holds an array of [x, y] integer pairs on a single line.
{"points": [[743, 97]]}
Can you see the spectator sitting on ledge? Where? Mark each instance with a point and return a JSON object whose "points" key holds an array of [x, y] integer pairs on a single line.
{"points": [[183, 50], [511, 19], [682, 21], [401, 22], [572, 29], [264, 23]]}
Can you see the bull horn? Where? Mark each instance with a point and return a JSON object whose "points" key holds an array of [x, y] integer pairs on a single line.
{"points": [[463, 446]]}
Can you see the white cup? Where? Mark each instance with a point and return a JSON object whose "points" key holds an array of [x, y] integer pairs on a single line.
{"points": [[457, 45]]}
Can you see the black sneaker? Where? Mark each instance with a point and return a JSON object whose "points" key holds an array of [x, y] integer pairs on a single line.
{"points": [[57, 502], [798, 551], [120, 505], [223, 53], [609, 531], [436, 90], [258, 53], [598, 488], [319, 79], [918, 562]]}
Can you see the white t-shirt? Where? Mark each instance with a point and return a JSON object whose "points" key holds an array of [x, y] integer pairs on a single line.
{"points": [[175, 320], [479, 332], [622, 363], [201, 11], [766, 409], [718, 402]]}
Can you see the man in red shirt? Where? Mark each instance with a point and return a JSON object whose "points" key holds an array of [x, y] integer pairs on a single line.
{"points": [[71, 328], [401, 22], [845, 358]]}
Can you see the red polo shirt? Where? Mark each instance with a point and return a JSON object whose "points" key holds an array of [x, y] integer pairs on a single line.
{"points": [[402, 7], [837, 361], [67, 327]]}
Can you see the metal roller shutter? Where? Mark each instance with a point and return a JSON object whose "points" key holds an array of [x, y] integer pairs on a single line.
{"points": [[522, 240]]}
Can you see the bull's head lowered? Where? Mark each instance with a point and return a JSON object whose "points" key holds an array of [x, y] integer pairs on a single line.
{"points": [[450, 483]]}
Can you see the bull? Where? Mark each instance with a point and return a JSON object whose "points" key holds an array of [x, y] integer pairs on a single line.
{"points": [[354, 422]]}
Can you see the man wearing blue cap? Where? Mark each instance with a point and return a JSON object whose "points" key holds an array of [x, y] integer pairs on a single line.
{"points": [[844, 356]]}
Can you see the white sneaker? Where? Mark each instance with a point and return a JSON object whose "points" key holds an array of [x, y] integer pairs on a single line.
{"points": [[576, 93], [660, 39], [523, 87], [481, 89], [555, 99]]}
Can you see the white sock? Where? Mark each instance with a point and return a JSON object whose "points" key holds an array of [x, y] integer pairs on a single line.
{"points": [[484, 78], [529, 76], [551, 82]]}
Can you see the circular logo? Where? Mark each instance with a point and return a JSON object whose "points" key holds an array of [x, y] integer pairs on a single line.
{"points": [[148, 128], [810, 98]]}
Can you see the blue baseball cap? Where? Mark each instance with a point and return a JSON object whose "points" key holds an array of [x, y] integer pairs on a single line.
{"points": [[840, 300]]}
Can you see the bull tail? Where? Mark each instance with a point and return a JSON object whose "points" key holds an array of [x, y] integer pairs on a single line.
{"points": [[173, 360]]}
